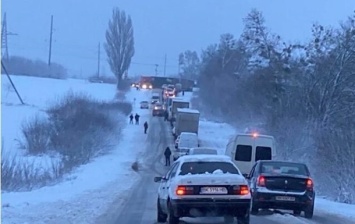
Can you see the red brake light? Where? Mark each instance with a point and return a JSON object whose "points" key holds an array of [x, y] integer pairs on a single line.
{"points": [[184, 190], [261, 181], [309, 183], [241, 189]]}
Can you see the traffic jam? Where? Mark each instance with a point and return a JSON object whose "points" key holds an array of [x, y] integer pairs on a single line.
{"points": [[235, 184]]}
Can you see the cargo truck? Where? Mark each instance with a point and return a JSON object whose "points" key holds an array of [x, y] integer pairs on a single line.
{"points": [[177, 103], [187, 120]]}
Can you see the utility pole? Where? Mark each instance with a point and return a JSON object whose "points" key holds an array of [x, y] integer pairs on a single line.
{"points": [[50, 42], [13, 85], [4, 34], [156, 69], [98, 62], [165, 66], [4, 46]]}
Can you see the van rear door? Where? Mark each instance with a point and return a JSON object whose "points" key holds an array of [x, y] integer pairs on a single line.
{"points": [[243, 153]]}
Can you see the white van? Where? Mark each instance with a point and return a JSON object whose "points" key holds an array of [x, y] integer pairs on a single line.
{"points": [[187, 140], [246, 149]]}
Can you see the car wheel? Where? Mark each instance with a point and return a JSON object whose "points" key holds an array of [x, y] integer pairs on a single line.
{"points": [[161, 217], [308, 213], [296, 212], [228, 219], [244, 219], [172, 219]]}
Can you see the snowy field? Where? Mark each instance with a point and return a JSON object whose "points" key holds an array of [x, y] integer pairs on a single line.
{"points": [[82, 197], [90, 189]]}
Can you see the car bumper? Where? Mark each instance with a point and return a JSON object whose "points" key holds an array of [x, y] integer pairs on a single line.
{"points": [[210, 207], [268, 200]]}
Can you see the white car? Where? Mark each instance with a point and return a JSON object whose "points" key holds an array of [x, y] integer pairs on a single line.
{"points": [[203, 185], [202, 151]]}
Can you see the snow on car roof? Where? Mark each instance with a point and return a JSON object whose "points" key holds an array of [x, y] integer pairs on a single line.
{"points": [[188, 110], [180, 100], [204, 158]]}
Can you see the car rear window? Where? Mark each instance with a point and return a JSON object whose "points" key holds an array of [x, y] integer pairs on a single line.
{"points": [[207, 167], [284, 168]]}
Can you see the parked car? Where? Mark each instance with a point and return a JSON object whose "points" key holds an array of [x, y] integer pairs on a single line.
{"points": [[282, 185], [144, 105], [203, 185]]}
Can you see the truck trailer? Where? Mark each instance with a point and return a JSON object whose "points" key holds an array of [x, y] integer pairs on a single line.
{"points": [[187, 120]]}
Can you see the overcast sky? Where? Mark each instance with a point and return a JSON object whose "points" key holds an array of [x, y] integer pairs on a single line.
{"points": [[160, 27]]}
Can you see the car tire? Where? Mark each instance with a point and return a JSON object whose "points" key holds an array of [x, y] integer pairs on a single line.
{"points": [[172, 219], [244, 219], [161, 217], [308, 213], [228, 219]]}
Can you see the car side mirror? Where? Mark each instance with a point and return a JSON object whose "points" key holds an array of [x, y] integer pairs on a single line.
{"points": [[246, 175], [159, 179]]}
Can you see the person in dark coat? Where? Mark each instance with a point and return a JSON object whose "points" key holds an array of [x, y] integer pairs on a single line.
{"points": [[167, 155], [166, 115], [145, 127], [137, 118], [131, 119]]}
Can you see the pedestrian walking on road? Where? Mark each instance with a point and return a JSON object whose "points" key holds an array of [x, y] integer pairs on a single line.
{"points": [[166, 115], [131, 119], [145, 127], [137, 118], [167, 155]]}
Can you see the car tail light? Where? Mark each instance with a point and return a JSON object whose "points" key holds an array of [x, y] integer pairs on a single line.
{"points": [[261, 181], [309, 183], [184, 190], [241, 189]]}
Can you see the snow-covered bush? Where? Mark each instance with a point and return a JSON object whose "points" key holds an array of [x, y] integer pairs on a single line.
{"points": [[76, 129], [36, 135], [83, 128]]}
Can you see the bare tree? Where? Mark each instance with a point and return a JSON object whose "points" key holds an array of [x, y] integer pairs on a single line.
{"points": [[119, 44]]}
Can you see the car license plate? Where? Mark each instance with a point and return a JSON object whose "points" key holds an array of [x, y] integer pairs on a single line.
{"points": [[285, 198], [213, 190]]}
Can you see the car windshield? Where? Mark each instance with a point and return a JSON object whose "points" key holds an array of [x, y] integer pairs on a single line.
{"points": [[284, 168], [202, 167]]}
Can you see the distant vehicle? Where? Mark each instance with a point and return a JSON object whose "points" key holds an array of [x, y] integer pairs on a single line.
{"points": [[187, 120], [202, 151], [155, 98], [177, 141], [146, 86], [187, 140], [158, 110], [246, 149], [282, 185], [203, 185], [144, 105], [177, 103]]}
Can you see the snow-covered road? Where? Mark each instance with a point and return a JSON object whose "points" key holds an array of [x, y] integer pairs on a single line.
{"points": [[140, 206]]}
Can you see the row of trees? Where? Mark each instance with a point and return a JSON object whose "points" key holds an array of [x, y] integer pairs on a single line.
{"points": [[303, 94]]}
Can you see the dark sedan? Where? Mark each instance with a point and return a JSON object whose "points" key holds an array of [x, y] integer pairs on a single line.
{"points": [[282, 185]]}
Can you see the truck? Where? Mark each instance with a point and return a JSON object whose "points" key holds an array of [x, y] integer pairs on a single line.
{"points": [[177, 103], [187, 120]]}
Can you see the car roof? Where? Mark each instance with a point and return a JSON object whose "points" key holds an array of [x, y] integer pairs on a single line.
{"points": [[280, 161], [205, 158]]}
